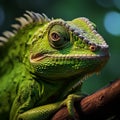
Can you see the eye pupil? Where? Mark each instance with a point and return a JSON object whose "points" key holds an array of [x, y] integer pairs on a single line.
{"points": [[55, 36]]}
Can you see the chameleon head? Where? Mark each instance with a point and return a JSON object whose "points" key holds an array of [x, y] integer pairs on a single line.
{"points": [[68, 48]]}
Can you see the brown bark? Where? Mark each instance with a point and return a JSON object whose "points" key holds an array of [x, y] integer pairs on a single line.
{"points": [[98, 106]]}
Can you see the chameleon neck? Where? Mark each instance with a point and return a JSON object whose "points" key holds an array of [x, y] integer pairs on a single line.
{"points": [[71, 85]]}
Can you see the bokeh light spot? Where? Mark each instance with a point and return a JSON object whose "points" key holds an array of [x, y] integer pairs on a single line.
{"points": [[112, 23]]}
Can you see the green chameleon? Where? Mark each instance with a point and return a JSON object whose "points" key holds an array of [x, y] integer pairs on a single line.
{"points": [[43, 63]]}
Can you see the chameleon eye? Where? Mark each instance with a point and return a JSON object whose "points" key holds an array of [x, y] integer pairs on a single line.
{"points": [[55, 36], [58, 36]]}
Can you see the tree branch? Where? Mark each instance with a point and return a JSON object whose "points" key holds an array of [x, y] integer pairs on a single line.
{"points": [[98, 106]]}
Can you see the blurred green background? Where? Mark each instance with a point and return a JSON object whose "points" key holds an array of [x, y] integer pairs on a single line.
{"points": [[104, 13]]}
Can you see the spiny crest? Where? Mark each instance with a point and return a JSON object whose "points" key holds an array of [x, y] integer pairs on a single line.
{"points": [[80, 33], [27, 18]]}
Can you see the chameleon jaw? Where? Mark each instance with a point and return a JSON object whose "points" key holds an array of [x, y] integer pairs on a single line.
{"points": [[39, 56]]}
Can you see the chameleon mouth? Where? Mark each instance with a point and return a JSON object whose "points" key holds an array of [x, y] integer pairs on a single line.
{"points": [[37, 57], [40, 56]]}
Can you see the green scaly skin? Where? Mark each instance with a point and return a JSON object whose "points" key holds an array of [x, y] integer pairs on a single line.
{"points": [[43, 62]]}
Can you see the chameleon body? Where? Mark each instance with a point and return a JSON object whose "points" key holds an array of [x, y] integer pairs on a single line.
{"points": [[43, 62]]}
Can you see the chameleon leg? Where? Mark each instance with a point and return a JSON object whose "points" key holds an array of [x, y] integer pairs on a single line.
{"points": [[44, 112], [40, 113]]}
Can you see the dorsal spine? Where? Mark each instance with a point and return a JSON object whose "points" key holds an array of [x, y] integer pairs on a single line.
{"points": [[28, 17]]}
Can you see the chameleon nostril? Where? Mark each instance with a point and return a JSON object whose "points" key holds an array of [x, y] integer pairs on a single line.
{"points": [[93, 48]]}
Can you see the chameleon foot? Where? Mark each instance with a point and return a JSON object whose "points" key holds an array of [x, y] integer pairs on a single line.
{"points": [[69, 102]]}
